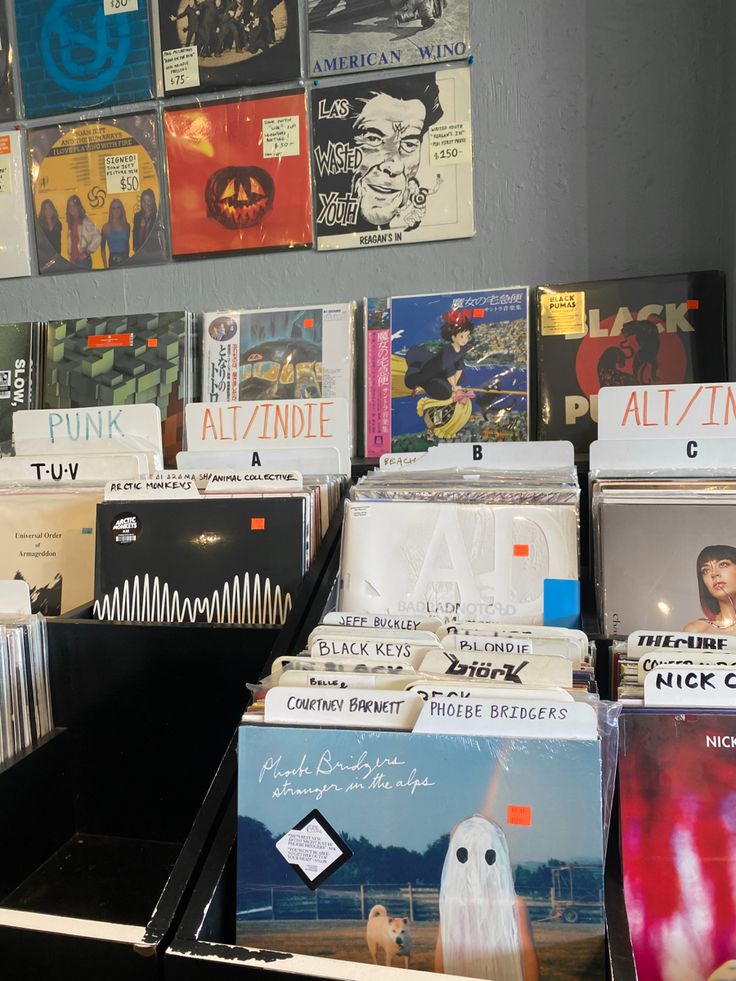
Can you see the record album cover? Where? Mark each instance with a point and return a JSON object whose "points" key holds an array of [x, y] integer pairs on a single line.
{"points": [[239, 560], [97, 194], [8, 108], [15, 246], [471, 562], [358, 35], [80, 54], [393, 160], [652, 330], [18, 373], [232, 43], [458, 365], [239, 176], [678, 842], [47, 538], [437, 853], [128, 360]]}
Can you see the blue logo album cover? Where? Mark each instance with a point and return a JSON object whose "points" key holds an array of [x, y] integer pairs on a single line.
{"points": [[74, 55]]}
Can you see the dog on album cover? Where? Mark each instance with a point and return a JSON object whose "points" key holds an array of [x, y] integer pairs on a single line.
{"points": [[391, 933]]}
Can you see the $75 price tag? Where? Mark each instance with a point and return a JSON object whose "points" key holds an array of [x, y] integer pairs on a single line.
{"points": [[121, 173], [119, 7]]}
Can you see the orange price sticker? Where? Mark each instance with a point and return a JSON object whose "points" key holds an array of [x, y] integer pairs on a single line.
{"points": [[308, 323], [257, 524], [110, 340], [153, 341], [693, 304], [478, 313], [519, 814], [4, 144], [521, 551]]}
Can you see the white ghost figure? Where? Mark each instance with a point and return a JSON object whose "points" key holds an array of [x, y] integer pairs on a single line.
{"points": [[480, 932]]}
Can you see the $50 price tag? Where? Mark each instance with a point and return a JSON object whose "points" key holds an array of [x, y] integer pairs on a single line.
{"points": [[121, 173], [119, 7]]}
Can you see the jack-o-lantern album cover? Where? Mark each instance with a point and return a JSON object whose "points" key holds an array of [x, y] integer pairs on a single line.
{"points": [[239, 177], [228, 43], [473, 857], [393, 160]]}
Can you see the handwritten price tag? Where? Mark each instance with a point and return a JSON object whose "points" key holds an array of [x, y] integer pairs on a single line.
{"points": [[281, 137], [121, 173], [450, 144], [6, 173], [181, 68], [119, 7]]}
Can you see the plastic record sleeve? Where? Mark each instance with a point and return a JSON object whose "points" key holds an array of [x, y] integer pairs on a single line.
{"points": [[206, 45], [15, 249], [239, 177], [393, 160], [8, 109], [97, 193], [82, 54]]}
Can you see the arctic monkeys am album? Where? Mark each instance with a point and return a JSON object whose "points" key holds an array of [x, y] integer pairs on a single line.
{"points": [[479, 845], [239, 560], [239, 176], [97, 193], [217, 44], [393, 160], [649, 331], [358, 35]]}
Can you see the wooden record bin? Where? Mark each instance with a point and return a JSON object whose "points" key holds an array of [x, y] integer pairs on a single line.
{"points": [[102, 823]]}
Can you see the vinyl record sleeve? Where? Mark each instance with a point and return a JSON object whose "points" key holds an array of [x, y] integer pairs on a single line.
{"points": [[74, 54], [18, 373], [97, 194], [47, 538], [368, 34], [393, 160], [239, 176], [475, 562], [424, 827], [214, 561], [15, 248], [678, 841], [128, 360], [8, 108], [237, 42], [649, 561], [458, 364], [651, 330]]}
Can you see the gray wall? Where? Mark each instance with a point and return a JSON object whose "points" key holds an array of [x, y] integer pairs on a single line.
{"points": [[600, 150]]}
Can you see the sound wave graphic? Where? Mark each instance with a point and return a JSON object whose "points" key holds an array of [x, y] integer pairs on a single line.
{"points": [[239, 601]]}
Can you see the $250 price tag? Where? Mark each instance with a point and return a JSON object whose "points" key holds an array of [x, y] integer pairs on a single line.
{"points": [[119, 7], [450, 144], [121, 173]]}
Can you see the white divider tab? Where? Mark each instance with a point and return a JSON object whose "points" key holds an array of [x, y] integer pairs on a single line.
{"points": [[164, 488], [341, 680], [446, 689], [291, 424], [670, 659], [684, 412], [313, 461], [15, 598], [400, 461], [690, 688], [650, 640], [551, 455], [126, 428], [509, 719], [71, 470], [516, 669], [390, 650], [361, 710], [489, 645], [253, 480], [683, 455], [370, 620], [357, 665]]}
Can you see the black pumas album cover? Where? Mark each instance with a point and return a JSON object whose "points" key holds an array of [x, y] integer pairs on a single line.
{"points": [[214, 561], [648, 331]]}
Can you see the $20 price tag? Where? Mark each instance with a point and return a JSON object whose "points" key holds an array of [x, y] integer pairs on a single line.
{"points": [[121, 173], [119, 7]]}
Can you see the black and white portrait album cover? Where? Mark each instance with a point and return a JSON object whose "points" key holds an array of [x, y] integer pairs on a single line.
{"points": [[237, 560], [360, 35], [393, 160]]}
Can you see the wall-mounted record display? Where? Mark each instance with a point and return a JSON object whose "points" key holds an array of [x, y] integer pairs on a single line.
{"points": [[8, 108], [363, 34], [97, 193], [217, 44], [81, 54], [393, 160], [239, 176]]}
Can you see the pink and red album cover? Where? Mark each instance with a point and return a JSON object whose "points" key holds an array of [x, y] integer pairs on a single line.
{"points": [[677, 779], [239, 176]]}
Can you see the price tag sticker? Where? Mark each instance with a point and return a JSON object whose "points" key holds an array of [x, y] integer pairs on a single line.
{"points": [[181, 68], [121, 173], [281, 136], [120, 7], [450, 143], [6, 172]]}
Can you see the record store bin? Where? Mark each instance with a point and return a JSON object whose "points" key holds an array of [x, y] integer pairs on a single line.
{"points": [[102, 825]]}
